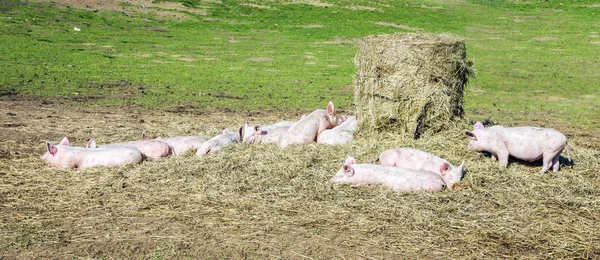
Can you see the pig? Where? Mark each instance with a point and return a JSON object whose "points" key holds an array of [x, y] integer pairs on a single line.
{"points": [[251, 132], [153, 149], [526, 143], [180, 144], [399, 179], [216, 143], [341, 134], [267, 137], [422, 161], [308, 128], [66, 156]]}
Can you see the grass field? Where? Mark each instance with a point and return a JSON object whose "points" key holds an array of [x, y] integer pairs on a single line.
{"points": [[173, 69]]}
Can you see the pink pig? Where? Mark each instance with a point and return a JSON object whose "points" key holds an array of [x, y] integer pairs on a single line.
{"points": [[267, 137], [153, 149], [180, 144], [422, 161], [65, 156], [254, 136], [400, 179], [341, 134], [216, 143], [526, 143], [308, 128]]}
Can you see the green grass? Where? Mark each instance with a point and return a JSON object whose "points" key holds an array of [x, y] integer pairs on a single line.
{"points": [[533, 58]]}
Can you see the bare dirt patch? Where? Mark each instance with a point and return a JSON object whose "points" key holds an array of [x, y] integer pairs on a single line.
{"points": [[256, 6], [162, 9], [312, 2], [313, 26], [259, 59], [338, 40], [401, 26], [424, 6], [363, 8], [546, 38]]}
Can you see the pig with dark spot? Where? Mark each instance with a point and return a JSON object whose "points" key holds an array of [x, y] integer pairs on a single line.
{"points": [[180, 144], [422, 161], [267, 137], [216, 143], [341, 134], [66, 156], [254, 136], [152, 149], [399, 179], [526, 143], [308, 128]]}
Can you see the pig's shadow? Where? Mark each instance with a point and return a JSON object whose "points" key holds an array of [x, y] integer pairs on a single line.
{"points": [[564, 162]]}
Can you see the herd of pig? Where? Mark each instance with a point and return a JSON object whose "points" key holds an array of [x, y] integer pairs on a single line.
{"points": [[401, 169]]}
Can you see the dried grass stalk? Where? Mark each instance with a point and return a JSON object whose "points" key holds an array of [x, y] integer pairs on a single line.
{"points": [[411, 83]]}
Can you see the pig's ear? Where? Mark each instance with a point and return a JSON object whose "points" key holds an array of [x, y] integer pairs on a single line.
{"points": [[65, 141], [257, 128], [471, 135], [51, 148], [330, 108], [348, 170], [144, 136], [461, 166], [91, 143], [478, 126], [224, 130], [444, 168]]}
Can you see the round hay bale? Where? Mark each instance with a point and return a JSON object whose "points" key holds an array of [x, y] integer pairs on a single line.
{"points": [[411, 83]]}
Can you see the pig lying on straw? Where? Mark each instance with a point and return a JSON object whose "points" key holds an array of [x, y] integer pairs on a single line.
{"points": [[399, 179], [66, 156]]}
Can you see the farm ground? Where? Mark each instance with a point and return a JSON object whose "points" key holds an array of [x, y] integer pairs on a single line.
{"points": [[258, 201]]}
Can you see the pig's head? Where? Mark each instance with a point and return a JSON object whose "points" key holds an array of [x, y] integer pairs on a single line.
{"points": [[477, 138], [452, 174], [257, 136], [234, 136], [247, 131], [344, 174], [350, 124], [53, 152]]}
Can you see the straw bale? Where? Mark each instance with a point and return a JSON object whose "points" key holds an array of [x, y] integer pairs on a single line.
{"points": [[411, 83]]}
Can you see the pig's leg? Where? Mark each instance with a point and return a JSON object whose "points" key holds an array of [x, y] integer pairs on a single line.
{"points": [[503, 158], [556, 163], [547, 163]]}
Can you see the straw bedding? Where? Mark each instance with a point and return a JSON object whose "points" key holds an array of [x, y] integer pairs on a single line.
{"points": [[258, 201]]}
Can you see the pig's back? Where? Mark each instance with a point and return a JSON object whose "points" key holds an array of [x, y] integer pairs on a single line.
{"points": [[303, 131], [273, 135], [150, 148], [109, 156], [529, 143], [401, 179], [181, 144]]}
